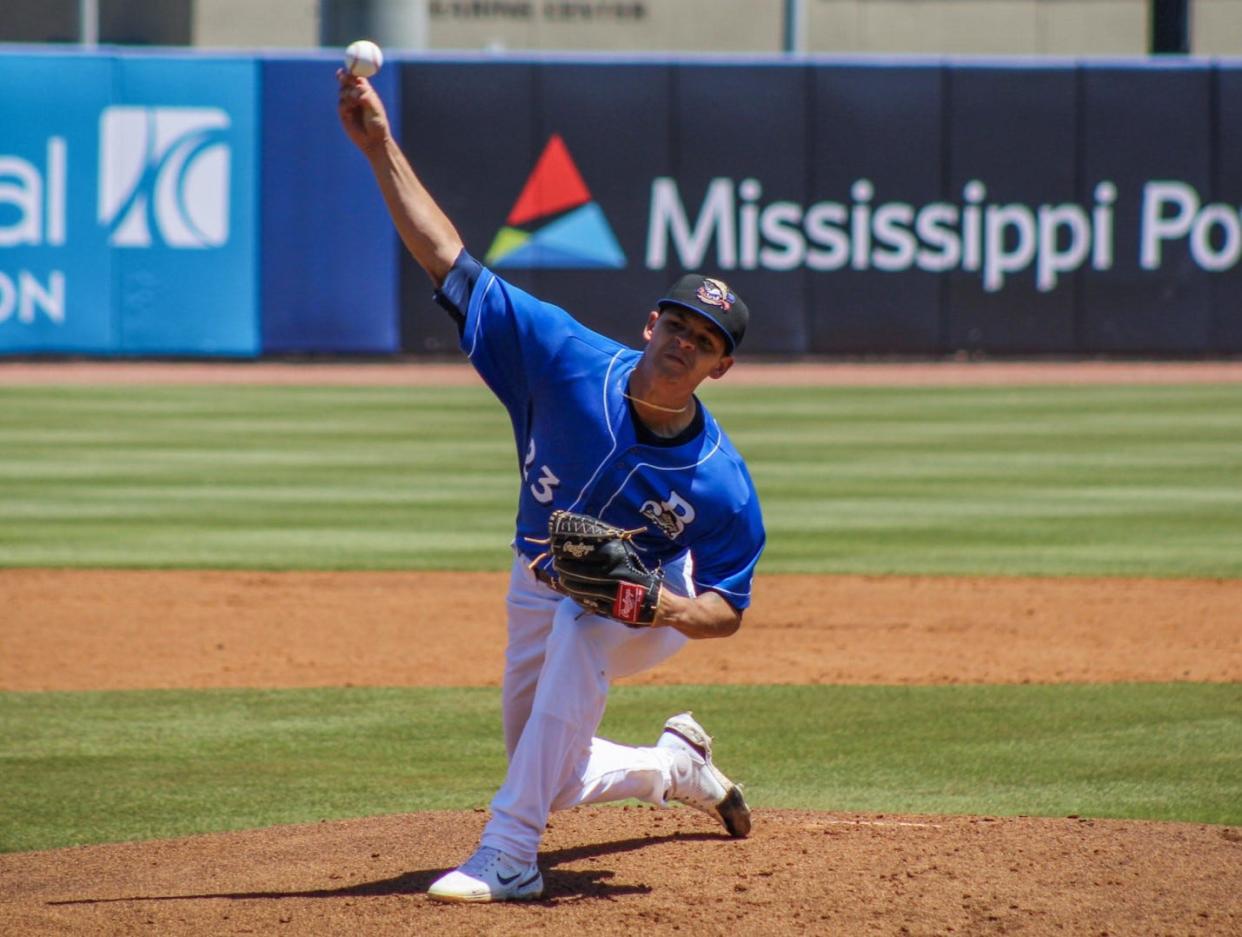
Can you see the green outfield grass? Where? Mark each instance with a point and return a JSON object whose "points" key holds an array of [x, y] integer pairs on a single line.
{"points": [[1040, 480], [1047, 480], [94, 767]]}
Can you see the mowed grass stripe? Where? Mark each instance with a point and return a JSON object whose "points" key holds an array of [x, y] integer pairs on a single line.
{"points": [[1091, 480], [99, 767], [1055, 481]]}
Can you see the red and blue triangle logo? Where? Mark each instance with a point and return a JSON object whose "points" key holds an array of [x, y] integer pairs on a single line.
{"points": [[554, 223]]}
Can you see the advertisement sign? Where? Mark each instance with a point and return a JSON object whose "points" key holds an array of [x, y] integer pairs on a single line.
{"points": [[610, 287], [634, 191], [730, 203], [472, 134], [127, 217], [1148, 137], [56, 278], [877, 135], [861, 208], [1014, 288], [201, 205], [328, 254], [177, 197], [1227, 184]]}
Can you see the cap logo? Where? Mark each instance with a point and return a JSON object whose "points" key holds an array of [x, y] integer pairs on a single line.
{"points": [[716, 293]]}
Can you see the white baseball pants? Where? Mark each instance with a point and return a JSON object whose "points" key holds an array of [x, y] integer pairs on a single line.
{"points": [[559, 664]]}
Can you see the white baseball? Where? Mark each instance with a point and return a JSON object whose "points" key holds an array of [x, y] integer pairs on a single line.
{"points": [[363, 58]]}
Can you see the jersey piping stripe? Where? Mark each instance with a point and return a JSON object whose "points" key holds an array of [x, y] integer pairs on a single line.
{"points": [[709, 588], [478, 319], [611, 434], [753, 560], [659, 468]]}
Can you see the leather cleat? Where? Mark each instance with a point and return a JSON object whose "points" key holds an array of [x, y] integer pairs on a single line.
{"points": [[696, 781]]}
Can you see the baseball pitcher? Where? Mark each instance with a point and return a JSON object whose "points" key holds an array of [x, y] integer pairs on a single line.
{"points": [[638, 526]]}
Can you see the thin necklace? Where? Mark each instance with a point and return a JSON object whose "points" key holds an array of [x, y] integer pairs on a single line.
{"points": [[656, 406]]}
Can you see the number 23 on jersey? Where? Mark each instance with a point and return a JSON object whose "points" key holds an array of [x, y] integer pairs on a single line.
{"points": [[543, 487]]}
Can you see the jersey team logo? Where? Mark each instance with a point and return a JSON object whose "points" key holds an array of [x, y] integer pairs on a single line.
{"points": [[164, 176], [670, 516], [555, 223]]}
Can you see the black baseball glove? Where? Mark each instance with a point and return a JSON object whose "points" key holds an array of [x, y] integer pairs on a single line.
{"points": [[599, 567]]}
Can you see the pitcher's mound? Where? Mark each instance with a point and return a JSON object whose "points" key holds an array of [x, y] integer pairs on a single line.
{"points": [[633, 870]]}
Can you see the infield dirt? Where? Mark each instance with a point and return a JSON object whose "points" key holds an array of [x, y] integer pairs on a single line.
{"points": [[631, 869], [118, 630]]}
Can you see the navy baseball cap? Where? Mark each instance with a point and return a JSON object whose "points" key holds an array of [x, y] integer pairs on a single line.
{"points": [[713, 299]]}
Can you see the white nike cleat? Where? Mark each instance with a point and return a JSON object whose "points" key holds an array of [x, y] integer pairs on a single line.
{"points": [[489, 875], [696, 781]]}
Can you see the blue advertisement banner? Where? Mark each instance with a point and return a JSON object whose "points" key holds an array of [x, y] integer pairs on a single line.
{"points": [[329, 281], [157, 204], [127, 222], [178, 200], [56, 277]]}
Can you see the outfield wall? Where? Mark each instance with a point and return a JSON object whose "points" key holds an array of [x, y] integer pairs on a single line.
{"points": [[169, 204]]}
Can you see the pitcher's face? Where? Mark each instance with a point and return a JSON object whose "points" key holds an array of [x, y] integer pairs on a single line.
{"points": [[685, 346]]}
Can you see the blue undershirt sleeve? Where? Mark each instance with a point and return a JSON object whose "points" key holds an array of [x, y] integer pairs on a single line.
{"points": [[454, 295]]}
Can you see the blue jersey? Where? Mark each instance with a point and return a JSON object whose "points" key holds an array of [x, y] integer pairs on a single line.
{"points": [[581, 448]]}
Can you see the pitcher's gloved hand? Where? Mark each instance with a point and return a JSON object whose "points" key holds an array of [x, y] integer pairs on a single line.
{"points": [[598, 566]]}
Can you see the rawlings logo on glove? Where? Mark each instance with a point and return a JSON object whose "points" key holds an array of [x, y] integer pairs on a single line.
{"points": [[598, 566], [578, 550]]}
